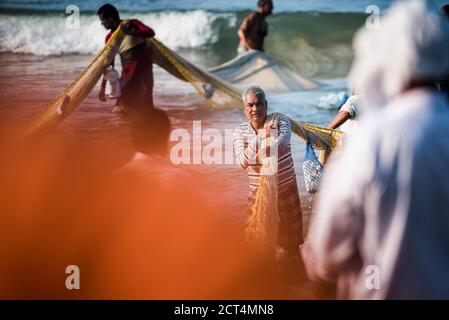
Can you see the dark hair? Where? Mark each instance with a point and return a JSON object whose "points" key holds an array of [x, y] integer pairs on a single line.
{"points": [[108, 11], [261, 3], [151, 131], [445, 9]]}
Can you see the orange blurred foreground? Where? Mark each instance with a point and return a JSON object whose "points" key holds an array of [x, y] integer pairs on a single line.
{"points": [[131, 236]]}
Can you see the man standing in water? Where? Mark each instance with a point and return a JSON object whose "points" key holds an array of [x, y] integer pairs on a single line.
{"points": [[247, 139], [255, 28], [136, 80]]}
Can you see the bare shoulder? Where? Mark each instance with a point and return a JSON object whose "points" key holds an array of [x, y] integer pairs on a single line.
{"points": [[252, 15], [250, 18]]}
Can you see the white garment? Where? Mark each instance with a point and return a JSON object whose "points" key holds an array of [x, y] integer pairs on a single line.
{"points": [[385, 202], [241, 50], [112, 89], [351, 106]]}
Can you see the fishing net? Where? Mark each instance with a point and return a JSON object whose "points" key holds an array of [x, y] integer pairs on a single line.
{"points": [[312, 169], [257, 67], [217, 92], [262, 226], [72, 96]]}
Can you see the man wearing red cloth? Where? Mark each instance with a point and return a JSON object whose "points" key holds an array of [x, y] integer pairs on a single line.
{"points": [[136, 80]]}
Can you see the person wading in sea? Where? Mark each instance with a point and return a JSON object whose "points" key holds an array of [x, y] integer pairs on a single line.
{"points": [[254, 28], [136, 80]]}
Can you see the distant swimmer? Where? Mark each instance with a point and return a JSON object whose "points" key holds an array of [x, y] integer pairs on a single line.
{"points": [[345, 120], [136, 80], [255, 28]]}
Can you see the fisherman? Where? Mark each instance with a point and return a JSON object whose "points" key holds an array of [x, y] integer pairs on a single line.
{"points": [[255, 28], [247, 140], [137, 62]]}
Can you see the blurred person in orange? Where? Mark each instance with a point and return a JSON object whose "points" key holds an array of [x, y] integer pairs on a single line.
{"points": [[143, 233], [165, 241]]}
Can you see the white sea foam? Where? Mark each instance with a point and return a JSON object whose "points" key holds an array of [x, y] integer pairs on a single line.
{"points": [[332, 100], [48, 35]]}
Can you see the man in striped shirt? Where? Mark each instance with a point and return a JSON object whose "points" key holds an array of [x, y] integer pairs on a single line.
{"points": [[247, 142]]}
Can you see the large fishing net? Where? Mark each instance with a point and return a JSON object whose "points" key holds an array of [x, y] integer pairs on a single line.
{"points": [[72, 96], [217, 92], [257, 67]]}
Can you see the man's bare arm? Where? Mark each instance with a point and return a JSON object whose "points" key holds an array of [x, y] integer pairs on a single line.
{"points": [[339, 119], [242, 37], [243, 31]]}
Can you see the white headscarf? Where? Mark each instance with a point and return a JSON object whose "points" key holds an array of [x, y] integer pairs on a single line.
{"points": [[412, 43]]}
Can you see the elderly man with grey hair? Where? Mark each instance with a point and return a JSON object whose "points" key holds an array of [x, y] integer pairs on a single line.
{"points": [[381, 229], [247, 142]]}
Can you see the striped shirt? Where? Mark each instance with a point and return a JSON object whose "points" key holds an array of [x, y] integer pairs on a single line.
{"points": [[246, 143]]}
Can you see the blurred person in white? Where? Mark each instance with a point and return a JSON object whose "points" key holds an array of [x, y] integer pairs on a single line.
{"points": [[390, 209]]}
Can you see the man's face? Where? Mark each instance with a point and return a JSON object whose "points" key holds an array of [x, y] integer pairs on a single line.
{"points": [[107, 22], [267, 8], [255, 107]]}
